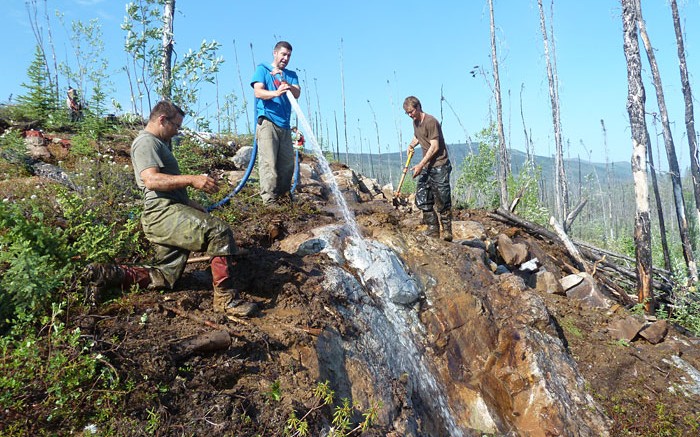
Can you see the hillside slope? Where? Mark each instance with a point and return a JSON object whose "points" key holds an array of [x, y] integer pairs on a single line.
{"points": [[477, 351]]}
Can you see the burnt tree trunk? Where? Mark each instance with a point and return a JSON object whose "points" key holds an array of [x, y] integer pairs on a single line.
{"points": [[608, 179], [379, 144], [345, 114], [659, 207], [503, 152], [528, 144], [689, 112], [674, 169], [166, 66], [243, 91], [635, 108], [560, 185]]}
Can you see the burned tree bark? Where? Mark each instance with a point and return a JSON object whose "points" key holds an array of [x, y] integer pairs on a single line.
{"points": [[167, 61], [528, 143], [560, 185], [689, 111], [345, 115], [659, 207], [608, 179], [243, 89], [503, 152], [670, 153], [635, 108]]}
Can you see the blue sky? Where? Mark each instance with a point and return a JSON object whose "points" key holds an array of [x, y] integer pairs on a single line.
{"points": [[393, 49]]}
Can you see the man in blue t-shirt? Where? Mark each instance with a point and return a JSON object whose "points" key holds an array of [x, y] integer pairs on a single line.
{"points": [[273, 111]]}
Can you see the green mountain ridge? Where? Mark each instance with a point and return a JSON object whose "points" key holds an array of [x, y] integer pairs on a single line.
{"points": [[577, 170]]}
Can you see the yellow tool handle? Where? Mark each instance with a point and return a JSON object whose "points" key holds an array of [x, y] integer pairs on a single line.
{"points": [[405, 170]]}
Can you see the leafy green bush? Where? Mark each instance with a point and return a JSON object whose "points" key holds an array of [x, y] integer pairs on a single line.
{"points": [[50, 377], [526, 185], [342, 415], [83, 145], [34, 259], [12, 154], [477, 185], [37, 257], [108, 189], [685, 304]]}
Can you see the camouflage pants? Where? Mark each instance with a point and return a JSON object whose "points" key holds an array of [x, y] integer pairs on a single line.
{"points": [[276, 164], [433, 187], [177, 229]]}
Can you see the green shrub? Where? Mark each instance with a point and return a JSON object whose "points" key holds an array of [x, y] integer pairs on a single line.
{"points": [[685, 302], [51, 376], [83, 145], [34, 259], [526, 185], [342, 415], [12, 155], [477, 184]]}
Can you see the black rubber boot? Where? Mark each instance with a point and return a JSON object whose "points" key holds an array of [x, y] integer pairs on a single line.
{"points": [[446, 221], [431, 220]]}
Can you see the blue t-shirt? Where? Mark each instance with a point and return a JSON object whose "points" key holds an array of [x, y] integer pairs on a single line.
{"points": [[278, 110]]}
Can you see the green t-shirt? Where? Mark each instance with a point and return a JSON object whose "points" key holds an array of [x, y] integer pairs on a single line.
{"points": [[148, 151]]}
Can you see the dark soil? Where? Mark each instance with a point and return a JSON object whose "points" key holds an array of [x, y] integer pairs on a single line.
{"points": [[229, 392], [233, 390]]}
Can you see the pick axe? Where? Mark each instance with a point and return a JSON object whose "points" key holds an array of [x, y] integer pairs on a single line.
{"points": [[397, 193]]}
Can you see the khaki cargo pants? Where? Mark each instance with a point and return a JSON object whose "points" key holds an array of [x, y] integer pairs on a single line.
{"points": [[276, 164]]}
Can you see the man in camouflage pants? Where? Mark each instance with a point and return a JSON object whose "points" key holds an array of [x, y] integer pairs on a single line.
{"points": [[433, 171], [172, 221]]}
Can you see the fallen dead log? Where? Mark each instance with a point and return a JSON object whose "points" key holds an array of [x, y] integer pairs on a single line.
{"points": [[212, 341], [53, 173], [573, 251], [657, 270], [662, 281], [632, 276]]}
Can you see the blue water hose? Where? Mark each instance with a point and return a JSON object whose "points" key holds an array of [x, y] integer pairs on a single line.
{"points": [[241, 184], [248, 171], [296, 171]]}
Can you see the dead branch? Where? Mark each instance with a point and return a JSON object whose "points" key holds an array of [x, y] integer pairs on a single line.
{"points": [[573, 251], [589, 252], [198, 259], [574, 213]]}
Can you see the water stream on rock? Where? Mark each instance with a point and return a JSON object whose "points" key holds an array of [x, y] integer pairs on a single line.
{"points": [[391, 341]]}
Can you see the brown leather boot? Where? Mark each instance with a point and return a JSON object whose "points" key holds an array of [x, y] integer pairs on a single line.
{"points": [[431, 220], [226, 299], [446, 221]]}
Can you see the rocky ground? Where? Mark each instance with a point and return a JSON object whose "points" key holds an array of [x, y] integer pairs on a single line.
{"points": [[189, 371], [231, 390]]}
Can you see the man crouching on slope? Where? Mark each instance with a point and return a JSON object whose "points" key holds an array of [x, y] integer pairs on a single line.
{"points": [[172, 221]]}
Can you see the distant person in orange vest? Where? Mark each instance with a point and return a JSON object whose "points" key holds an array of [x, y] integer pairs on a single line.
{"points": [[298, 139], [74, 105]]}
